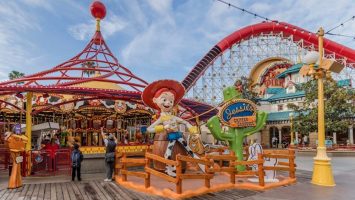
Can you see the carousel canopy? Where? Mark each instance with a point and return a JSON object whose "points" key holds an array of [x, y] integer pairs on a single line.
{"points": [[93, 73]]}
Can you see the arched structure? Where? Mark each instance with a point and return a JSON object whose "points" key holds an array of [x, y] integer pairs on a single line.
{"points": [[89, 91], [84, 76], [236, 54]]}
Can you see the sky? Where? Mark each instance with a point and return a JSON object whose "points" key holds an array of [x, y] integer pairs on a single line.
{"points": [[155, 39]]}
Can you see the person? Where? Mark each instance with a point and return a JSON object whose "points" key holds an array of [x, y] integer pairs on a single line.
{"points": [[51, 149], [126, 137], [76, 159], [305, 140], [274, 141], [110, 144], [56, 138]]}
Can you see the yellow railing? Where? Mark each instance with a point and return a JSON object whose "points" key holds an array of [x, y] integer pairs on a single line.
{"points": [[126, 149]]}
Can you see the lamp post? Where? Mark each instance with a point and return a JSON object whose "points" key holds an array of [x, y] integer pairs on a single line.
{"points": [[322, 169], [291, 129]]}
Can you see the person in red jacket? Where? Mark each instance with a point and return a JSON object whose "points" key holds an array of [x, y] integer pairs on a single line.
{"points": [[51, 148]]}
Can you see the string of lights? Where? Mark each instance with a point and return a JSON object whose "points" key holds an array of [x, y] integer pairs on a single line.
{"points": [[268, 19], [337, 34], [244, 10], [341, 24]]}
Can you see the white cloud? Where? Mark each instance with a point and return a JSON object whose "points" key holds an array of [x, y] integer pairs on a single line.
{"points": [[161, 6], [82, 31], [39, 3], [109, 27], [261, 7], [15, 20]]}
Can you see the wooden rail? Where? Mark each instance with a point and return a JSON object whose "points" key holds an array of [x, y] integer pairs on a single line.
{"points": [[220, 158], [210, 167], [282, 166], [207, 176]]}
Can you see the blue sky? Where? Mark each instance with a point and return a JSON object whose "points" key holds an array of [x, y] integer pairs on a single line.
{"points": [[156, 39]]}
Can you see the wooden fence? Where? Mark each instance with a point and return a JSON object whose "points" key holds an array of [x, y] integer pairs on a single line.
{"points": [[210, 162]]}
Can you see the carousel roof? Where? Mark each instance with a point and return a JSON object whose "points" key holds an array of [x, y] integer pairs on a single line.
{"points": [[94, 72]]}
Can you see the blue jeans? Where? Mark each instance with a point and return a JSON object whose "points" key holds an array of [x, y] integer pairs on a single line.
{"points": [[109, 169], [174, 136]]}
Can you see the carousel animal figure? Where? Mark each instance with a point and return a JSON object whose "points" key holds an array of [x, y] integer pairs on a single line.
{"points": [[163, 95]]}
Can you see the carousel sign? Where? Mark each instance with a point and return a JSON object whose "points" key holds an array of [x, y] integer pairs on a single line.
{"points": [[238, 113]]}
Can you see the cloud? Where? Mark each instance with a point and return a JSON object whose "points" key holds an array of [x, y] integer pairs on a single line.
{"points": [[261, 7], [110, 26], [163, 7], [39, 3], [15, 21]]}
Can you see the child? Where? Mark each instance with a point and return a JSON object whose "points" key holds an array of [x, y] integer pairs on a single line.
{"points": [[76, 159]]}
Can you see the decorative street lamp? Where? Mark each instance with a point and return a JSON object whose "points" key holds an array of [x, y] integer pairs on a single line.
{"points": [[322, 170], [291, 129]]}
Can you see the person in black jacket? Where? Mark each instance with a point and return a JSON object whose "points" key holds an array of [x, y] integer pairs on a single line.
{"points": [[76, 158]]}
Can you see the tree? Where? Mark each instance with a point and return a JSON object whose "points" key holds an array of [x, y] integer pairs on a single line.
{"points": [[89, 65], [15, 75], [338, 107], [244, 86]]}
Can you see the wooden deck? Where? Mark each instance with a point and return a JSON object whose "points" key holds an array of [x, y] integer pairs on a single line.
{"points": [[97, 190], [100, 190], [93, 190]]}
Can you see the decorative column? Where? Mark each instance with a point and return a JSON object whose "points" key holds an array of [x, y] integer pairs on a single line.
{"points": [[29, 120], [280, 139], [273, 135], [351, 134]]}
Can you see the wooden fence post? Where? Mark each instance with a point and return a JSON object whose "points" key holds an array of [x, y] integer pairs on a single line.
{"points": [[147, 179], [207, 180], [232, 173], [232, 165], [221, 161], [261, 169], [292, 163], [178, 173], [124, 167]]}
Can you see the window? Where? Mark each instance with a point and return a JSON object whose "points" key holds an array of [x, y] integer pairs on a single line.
{"points": [[279, 107], [290, 89], [296, 78]]}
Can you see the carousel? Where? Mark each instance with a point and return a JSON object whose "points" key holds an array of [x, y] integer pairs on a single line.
{"points": [[74, 99]]}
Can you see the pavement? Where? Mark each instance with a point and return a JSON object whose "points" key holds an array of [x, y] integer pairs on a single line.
{"points": [[343, 170]]}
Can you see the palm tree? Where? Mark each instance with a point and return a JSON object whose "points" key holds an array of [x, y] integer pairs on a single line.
{"points": [[89, 65], [15, 75]]}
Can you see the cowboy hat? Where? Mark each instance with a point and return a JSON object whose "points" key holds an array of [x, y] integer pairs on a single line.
{"points": [[151, 89]]}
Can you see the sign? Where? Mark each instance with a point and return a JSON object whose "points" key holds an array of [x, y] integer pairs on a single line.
{"points": [[38, 158], [19, 159], [238, 113], [17, 129]]}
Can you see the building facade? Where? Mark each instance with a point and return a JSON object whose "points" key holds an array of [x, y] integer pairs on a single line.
{"points": [[275, 80]]}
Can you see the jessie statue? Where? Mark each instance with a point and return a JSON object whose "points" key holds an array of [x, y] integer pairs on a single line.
{"points": [[163, 95]]}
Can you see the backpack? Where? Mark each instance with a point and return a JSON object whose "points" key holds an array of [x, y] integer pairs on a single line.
{"points": [[76, 158]]}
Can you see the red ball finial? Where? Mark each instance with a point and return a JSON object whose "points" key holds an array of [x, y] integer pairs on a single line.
{"points": [[98, 10]]}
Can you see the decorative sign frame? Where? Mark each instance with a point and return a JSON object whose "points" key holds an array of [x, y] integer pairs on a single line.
{"points": [[238, 113]]}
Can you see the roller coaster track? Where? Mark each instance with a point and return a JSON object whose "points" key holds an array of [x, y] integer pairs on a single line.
{"points": [[338, 51]]}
